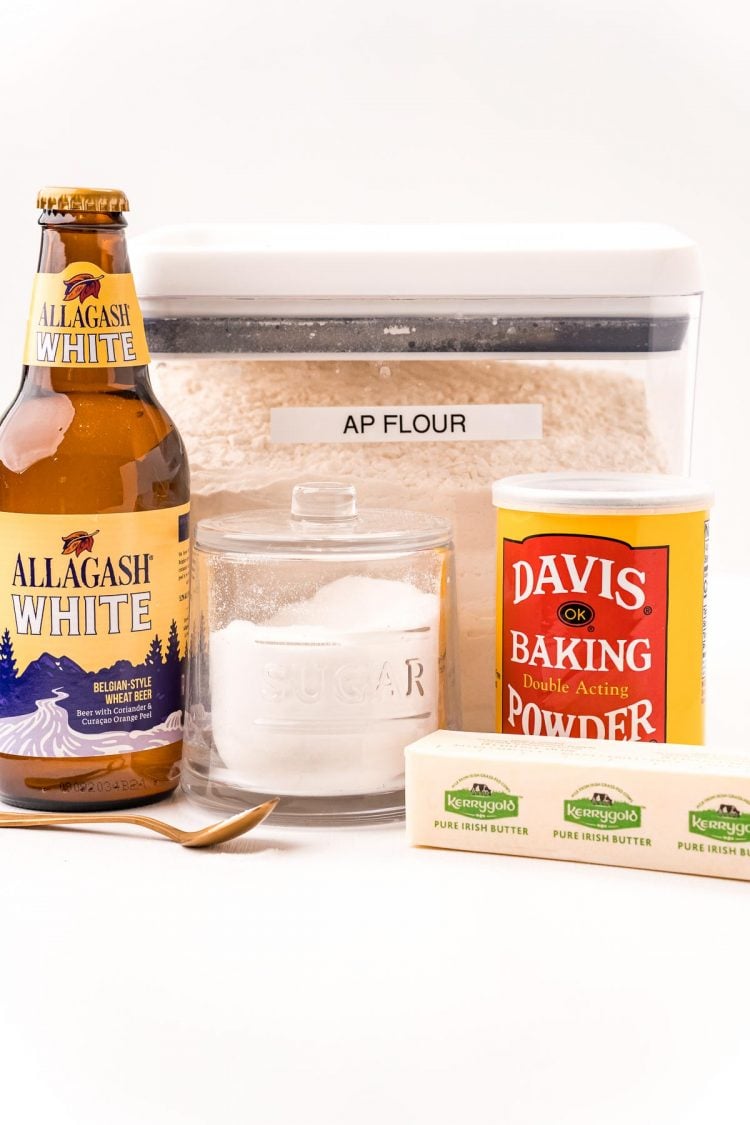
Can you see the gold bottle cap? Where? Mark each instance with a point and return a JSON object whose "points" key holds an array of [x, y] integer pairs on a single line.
{"points": [[82, 199]]}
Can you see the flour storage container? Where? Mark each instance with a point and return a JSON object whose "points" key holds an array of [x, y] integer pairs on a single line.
{"points": [[323, 643], [421, 363]]}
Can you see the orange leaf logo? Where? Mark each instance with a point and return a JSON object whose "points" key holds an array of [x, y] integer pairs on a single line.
{"points": [[78, 542], [82, 286]]}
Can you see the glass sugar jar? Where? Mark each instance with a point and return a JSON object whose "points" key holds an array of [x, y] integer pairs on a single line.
{"points": [[323, 642]]}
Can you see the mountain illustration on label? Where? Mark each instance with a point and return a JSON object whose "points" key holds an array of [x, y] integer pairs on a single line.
{"points": [[81, 286], [77, 542], [475, 797], [52, 705], [725, 817], [595, 806]]}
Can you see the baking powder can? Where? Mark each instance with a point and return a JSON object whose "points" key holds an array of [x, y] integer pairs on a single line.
{"points": [[601, 606]]}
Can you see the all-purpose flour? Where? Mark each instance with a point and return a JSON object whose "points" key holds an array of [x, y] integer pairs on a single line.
{"points": [[592, 419], [322, 698]]}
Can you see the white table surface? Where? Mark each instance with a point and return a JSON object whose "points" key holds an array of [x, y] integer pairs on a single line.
{"points": [[341, 977]]}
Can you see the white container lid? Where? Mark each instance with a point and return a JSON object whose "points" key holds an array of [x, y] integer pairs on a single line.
{"points": [[288, 260], [601, 493]]}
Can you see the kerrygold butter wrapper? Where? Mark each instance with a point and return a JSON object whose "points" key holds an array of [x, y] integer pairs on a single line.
{"points": [[666, 808]]}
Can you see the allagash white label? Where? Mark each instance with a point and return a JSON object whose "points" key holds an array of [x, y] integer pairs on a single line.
{"points": [[93, 632]]}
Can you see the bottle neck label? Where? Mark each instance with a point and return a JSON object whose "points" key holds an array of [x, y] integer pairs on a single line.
{"points": [[84, 317]]}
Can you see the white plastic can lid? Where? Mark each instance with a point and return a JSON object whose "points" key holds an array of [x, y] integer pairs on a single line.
{"points": [[601, 493]]}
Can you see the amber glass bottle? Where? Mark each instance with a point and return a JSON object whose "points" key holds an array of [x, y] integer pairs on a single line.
{"points": [[94, 540]]}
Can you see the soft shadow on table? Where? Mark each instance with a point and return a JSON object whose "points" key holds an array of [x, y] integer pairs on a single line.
{"points": [[245, 845]]}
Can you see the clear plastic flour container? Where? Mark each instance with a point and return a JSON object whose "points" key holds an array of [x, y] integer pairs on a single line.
{"points": [[420, 363], [323, 642]]}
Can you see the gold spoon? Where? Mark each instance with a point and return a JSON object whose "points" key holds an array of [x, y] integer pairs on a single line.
{"points": [[202, 838]]}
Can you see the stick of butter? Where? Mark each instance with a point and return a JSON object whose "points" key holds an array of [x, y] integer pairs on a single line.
{"points": [[669, 808]]}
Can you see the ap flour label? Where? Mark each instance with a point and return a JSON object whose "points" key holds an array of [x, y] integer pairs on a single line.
{"points": [[583, 650], [303, 425]]}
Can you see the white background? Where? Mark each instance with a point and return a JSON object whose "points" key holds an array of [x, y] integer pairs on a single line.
{"points": [[342, 979], [402, 110]]}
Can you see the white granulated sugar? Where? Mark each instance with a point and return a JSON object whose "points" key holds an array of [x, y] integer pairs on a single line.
{"points": [[359, 604], [592, 420], [322, 698]]}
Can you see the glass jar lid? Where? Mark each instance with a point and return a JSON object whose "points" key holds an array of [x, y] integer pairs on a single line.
{"points": [[323, 518]]}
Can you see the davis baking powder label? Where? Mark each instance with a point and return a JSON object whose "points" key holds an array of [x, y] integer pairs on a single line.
{"points": [[584, 638]]}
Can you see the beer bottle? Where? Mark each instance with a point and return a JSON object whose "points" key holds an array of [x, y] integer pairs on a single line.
{"points": [[94, 535]]}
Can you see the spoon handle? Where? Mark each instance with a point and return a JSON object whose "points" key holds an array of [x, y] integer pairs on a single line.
{"points": [[44, 820]]}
